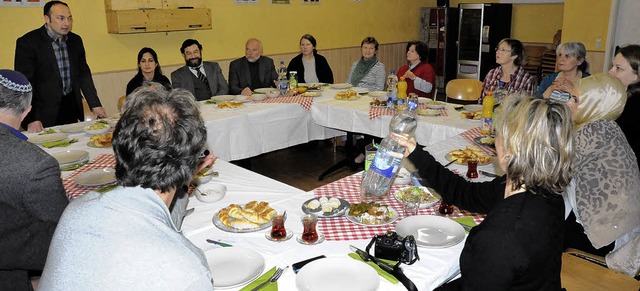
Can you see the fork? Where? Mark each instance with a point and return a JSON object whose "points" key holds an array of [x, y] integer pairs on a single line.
{"points": [[273, 278]]}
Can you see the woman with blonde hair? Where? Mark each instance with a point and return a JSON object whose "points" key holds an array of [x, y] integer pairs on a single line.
{"points": [[519, 244], [604, 198]]}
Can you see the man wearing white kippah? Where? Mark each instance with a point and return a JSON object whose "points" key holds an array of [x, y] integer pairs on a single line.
{"points": [[32, 197]]}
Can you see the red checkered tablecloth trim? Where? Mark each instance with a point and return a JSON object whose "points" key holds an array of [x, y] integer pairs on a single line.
{"points": [[471, 134], [305, 102], [74, 190], [377, 111], [348, 188]]}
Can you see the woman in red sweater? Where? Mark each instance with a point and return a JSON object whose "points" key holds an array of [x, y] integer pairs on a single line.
{"points": [[417, 72]]}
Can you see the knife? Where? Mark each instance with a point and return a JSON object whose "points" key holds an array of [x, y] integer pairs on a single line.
{"points": [[215, 242], [488, 174], [449, 163], [393, 270]]}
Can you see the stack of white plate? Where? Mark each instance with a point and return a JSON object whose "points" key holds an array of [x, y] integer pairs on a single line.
{"points": [[69, 158]]}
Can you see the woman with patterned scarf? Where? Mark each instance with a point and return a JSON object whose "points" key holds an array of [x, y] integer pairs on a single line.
{"points": [[603, 201], [368, 72]]}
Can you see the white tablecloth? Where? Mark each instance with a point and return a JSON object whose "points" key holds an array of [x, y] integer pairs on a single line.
{"points": [[353, 116]]}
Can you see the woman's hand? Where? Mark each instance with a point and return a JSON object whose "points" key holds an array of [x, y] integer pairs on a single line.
{"points": [[409, 75], [208, 160], [565, 85], [408, 144]]}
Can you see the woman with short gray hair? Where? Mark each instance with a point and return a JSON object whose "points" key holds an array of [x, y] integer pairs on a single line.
{"points": [[572, 65]]}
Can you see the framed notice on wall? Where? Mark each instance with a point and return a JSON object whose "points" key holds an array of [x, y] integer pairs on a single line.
{"points": [[22, 3], [310, 1], [246, 1], [280, 1]]}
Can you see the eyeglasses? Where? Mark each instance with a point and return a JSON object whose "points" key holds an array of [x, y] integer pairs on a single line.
{"points": [[502, 50]]}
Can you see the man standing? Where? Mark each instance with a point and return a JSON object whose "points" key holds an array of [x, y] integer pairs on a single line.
{"points": [[202, 79], [126, 239], [253, 71], [53, 59], [31, 190]]}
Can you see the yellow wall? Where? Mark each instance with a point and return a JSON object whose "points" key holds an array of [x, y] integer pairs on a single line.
{"points": [[334, 23], [587, 21]]}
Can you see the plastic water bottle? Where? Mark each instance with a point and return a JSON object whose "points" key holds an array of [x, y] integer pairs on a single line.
{"points": [[293, 81], [386, 163], [392, 89], [283, 82], [500, 93]]}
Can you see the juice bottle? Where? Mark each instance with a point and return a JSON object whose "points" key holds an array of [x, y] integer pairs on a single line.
{"points": [[487, 113], [402, 91]]}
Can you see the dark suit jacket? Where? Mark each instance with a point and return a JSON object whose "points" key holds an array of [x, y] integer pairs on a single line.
{"points": [[181, 78], [323, 70], [35, 59], [240, 77], [31, 185]]}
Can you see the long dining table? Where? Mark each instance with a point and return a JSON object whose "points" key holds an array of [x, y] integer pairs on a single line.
{"points": [[434, 267]]}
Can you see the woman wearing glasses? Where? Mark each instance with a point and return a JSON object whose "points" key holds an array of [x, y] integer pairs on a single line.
{"points": [[509, 75], [572, 66]]}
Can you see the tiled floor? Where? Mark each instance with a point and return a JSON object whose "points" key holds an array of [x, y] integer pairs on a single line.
{"points": [[300, 166]]}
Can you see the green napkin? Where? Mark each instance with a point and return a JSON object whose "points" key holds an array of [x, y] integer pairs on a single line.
{"points": [[47, 131], [210, 102], [380, 271], [261, 279], [466, 220], [62, 143]]}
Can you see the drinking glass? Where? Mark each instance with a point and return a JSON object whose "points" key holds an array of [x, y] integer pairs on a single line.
{"points": [[411, 205], [278, 231], [472, 168], [309, 233]]}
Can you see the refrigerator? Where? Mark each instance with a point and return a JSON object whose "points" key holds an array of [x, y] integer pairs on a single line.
{"points": [[480, 28], [439, 30]]}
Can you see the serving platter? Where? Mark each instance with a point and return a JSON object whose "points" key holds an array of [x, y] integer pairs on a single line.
{"points": [[344, 205], [358, 221], [427, 198], [216, 221]]}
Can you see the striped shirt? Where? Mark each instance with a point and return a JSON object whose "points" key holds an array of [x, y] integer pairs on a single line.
{"points": [[520, 82]]}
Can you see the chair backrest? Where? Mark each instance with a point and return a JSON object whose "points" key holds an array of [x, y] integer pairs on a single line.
{"points": [[121, 101], [580, 274], [464, 89]]}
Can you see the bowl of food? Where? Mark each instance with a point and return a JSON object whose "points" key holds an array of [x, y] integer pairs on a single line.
{"points": [[204, 176], [258, 96], [210, 192], [301, 89], [379, 95], [273, 93], [97, 128]]}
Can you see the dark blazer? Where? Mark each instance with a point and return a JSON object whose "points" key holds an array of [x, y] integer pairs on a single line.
{"points": [[181, 78], [323, 70], [35, 59], [240, 78]]}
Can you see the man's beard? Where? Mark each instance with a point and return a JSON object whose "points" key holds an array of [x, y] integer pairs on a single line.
{"points": [[252, 60], [194, 63]]}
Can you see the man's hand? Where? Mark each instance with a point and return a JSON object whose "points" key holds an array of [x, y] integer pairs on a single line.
{"points": [[99, 112], [246, 91], [206, 161], [35, 126], [408, 144]]}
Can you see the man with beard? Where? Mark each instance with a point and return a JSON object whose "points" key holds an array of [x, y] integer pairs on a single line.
{"points": [[253, 71], [202, 79]]}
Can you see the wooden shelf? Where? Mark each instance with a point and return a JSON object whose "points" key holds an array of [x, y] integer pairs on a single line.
{"points": [[139, 16]]}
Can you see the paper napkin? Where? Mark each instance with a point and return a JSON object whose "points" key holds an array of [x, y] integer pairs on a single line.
{"points": [[62, 143], [466, 220], [380, 271], [269, 287]]}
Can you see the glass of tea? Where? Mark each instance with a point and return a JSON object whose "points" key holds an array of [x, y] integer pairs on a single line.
{"points": [[278, 232], [472, 168], [445, 208], [309, 233]]}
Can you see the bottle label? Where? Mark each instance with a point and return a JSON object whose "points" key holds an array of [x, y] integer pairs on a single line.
{"points": [[486, 125], [386, 163]]}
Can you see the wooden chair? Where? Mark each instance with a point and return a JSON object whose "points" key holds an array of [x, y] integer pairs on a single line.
{"points": [[463, 90], [120, 102], [582, 274]]}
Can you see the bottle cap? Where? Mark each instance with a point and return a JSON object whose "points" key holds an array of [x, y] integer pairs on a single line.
{"points": [[402, 78], [489, 92]]}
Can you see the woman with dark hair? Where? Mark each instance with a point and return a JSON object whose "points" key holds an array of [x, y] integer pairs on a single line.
{"points": [[148, 71], [572, 66], [519, 244], [417, 72], [509, 75], [625, 67], [368, 72], [309, 65]]}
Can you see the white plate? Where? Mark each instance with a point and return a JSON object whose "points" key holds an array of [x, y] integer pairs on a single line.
{"points": [[224, 98], [73, 127], [473, 107], [428, 112], [313, 86], [311, 94], [356, 220], [341, 86], [360, 90], [344, 205], [87, 129], [434, 104], [377, 94], [232, 267], [96, 177], [70, 156], [449, 159], [40, 139], [431, 231], [216, 221], [337, 274], [434, 197], [263, 90]]}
